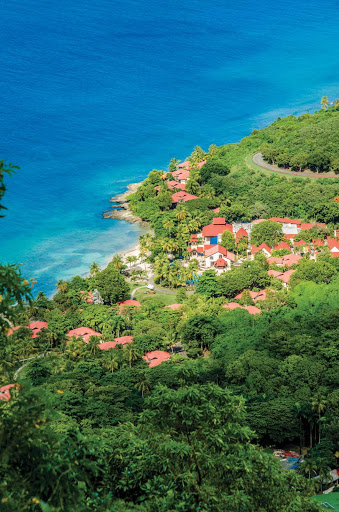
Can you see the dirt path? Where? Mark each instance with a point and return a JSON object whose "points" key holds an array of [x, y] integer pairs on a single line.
{"points": [[259, 160]]}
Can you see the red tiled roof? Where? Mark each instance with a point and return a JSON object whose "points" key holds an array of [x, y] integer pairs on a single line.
{"points": [[257, 221], [175, 185], [300, 243], [253, 310], [254, 295], [174, 306], [199, 250], [83, 332], [89, 295], [222, 250], [290, 259], [275, 259], [286, 220], [129, 302], [216, 229], [156, 357], [309, 225], [184, 165], [220, 263], [219, 221], [181, 174], [241, 233], [214, 249], [274, 273], [123, 340], [286, 276], [260, 295], [194, 238], [12, 329], [332, 243], [255, 249], [216, 210], [232, 305], [319, 242], [36, 327], [289, 236], [182, 196], [335, 254], [5, 393], [282, 245], [200, 164]]}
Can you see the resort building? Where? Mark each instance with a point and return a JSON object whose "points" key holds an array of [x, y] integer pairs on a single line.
{"points": [[212, 232]]}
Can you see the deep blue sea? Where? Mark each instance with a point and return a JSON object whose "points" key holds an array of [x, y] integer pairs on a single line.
{"points": [[94, 95]]}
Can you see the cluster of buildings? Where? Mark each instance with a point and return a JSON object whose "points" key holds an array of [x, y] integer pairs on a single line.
{"points": [[179, 182], [205, 246]]}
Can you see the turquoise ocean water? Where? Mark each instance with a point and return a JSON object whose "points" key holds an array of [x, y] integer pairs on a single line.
{"points": [[93, 95]]}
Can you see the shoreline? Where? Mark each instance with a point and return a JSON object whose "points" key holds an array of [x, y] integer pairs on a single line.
{"points": [[120, 208], [120, 211]]}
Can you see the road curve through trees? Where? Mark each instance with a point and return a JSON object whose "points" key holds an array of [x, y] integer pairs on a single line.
{"points": [[258, 159]]}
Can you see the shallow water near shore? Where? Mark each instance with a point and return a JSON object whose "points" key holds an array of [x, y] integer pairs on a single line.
{"points": [[93, 98]]}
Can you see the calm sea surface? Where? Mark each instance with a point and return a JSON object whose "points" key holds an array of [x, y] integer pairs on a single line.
{"points": [[93, 95]]}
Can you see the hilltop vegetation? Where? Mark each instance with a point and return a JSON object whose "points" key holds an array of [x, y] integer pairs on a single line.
{"points": [[245, 194], [97, 427]]}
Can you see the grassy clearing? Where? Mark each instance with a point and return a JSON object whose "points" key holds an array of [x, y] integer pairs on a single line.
{"points": [[331, 498], [143, 295]]}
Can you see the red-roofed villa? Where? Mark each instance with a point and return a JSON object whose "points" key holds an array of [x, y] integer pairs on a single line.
{"points": [[156, 357]]}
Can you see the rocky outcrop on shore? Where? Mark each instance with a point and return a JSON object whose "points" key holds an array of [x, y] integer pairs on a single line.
{"points": [[120, 209]]}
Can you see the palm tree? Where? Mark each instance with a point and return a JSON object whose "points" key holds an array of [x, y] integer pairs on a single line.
{"points": [[181, 212], [119, 324], [171, 339], [169, 225], [93, 346], [94, 269], [62, 285], [207, 192], [110, 360], [308, 468], [117, 262], [324, 102], [191, 270], [319, 406], [166, 244], [131, 353], [161, 266], [143, 386], [130, 260]]}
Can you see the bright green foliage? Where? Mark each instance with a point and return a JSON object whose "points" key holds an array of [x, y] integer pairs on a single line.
{"points": [[211, 167], [251, 274], [111, 285], [268, 232], [190, 450], [228, 241], [316, 271], [14, 290], [306, 142], [208, 284]]}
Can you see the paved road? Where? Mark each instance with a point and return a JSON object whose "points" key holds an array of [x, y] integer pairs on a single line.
{"points": [[23, 366], [259, 160], [157, 289]]}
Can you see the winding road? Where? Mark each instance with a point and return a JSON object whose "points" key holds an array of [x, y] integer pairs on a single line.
{"points": [[156, 288], [258, 159]]}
